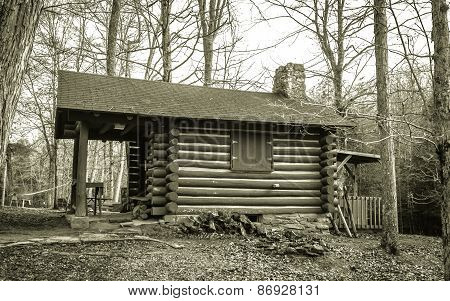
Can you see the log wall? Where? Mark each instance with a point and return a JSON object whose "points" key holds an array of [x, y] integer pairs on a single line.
{"points": [[206, 182], [188, 171]]}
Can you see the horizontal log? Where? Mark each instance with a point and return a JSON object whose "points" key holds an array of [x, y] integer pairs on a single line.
{"points": [[296, 159], [328, 155], [159, 172], [160, 146], [328, 147], [159, 153], [160, 138], [172, 177], [328, 181], [328, 171], [226, 173], [173, 141], [335, 201], [328, 189], [205, 147], [204, 164], [209, 139], [329, 162], [172, 186], [296, 136], [327, 198], [172, 196], [173, 149], [172, 167], [172, 157], [250, 201], [208, 191], [295, 143], [326, 140], [293, 150], [213, 156], [160, 163], [250, 183], [159, 190], [158, 181], [171, 207], [174, 132], [282, 166], [157, 211], [203, 130], [185, 209], [150, 188], [158, 201]]}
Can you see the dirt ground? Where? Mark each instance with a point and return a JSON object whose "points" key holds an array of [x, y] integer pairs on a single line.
{"points": [[204, 257]]}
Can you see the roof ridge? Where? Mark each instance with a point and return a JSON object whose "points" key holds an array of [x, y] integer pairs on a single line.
{"points": [[165, 83]]}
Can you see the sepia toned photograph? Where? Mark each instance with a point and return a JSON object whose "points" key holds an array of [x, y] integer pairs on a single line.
{"points": [[280, 143]]}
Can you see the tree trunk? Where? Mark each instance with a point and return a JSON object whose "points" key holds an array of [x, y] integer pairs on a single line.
{"points": [[18, 20], [389, 240], [5, 173], [166, 51], [441, 118], [208, 55], [112, 38]]}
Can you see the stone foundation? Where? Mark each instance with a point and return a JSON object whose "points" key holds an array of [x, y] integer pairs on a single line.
{"points": [[307, 223]]}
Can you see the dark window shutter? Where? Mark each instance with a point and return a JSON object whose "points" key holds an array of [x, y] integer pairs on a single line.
{"points": [[251, 151]]}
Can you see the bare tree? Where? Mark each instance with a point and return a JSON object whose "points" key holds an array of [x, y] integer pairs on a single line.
{"points": [[441, 117], [336, 28], [389, 239], [112, 38], [211, 20], [166, 47], [18, 20]]}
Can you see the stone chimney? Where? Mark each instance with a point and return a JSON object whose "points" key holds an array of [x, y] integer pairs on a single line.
{"points": [[289, 81]]}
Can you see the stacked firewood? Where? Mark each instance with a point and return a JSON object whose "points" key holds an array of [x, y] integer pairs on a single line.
{"points": [[278, 241]]}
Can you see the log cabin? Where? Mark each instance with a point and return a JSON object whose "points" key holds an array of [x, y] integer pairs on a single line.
{"points": [[194, 149]]}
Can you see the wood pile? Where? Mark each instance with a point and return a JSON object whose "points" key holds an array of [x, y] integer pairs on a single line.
{"points": [[281, 241], [221, 222]]}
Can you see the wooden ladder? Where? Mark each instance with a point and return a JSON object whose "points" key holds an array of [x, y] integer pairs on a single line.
{"points": [[133, 168]]}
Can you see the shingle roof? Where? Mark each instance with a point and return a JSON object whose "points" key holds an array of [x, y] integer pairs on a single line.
{"points": [[82, 91]]}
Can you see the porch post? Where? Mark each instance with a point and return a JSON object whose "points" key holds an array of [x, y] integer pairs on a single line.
{"points": [[81, 204], [73, 193]]}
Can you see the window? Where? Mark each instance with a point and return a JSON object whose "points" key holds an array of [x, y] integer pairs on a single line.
{"points": [[251, 151]]}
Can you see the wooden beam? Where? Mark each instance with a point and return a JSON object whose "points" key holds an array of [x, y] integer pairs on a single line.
{"points": [[251, 183], [227, 173], [73, 193], [342, 164], [81, 205], [185, 209], [243, 192], [250, 201]]}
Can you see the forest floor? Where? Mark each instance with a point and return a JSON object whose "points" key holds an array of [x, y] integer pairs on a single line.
{"points": [[203, 257]]}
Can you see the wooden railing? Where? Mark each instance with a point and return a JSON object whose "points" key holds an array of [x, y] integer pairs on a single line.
{"points": [[366, 212]]}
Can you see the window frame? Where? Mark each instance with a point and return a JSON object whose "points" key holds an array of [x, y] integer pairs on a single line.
{"points": [[265, 144]]}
